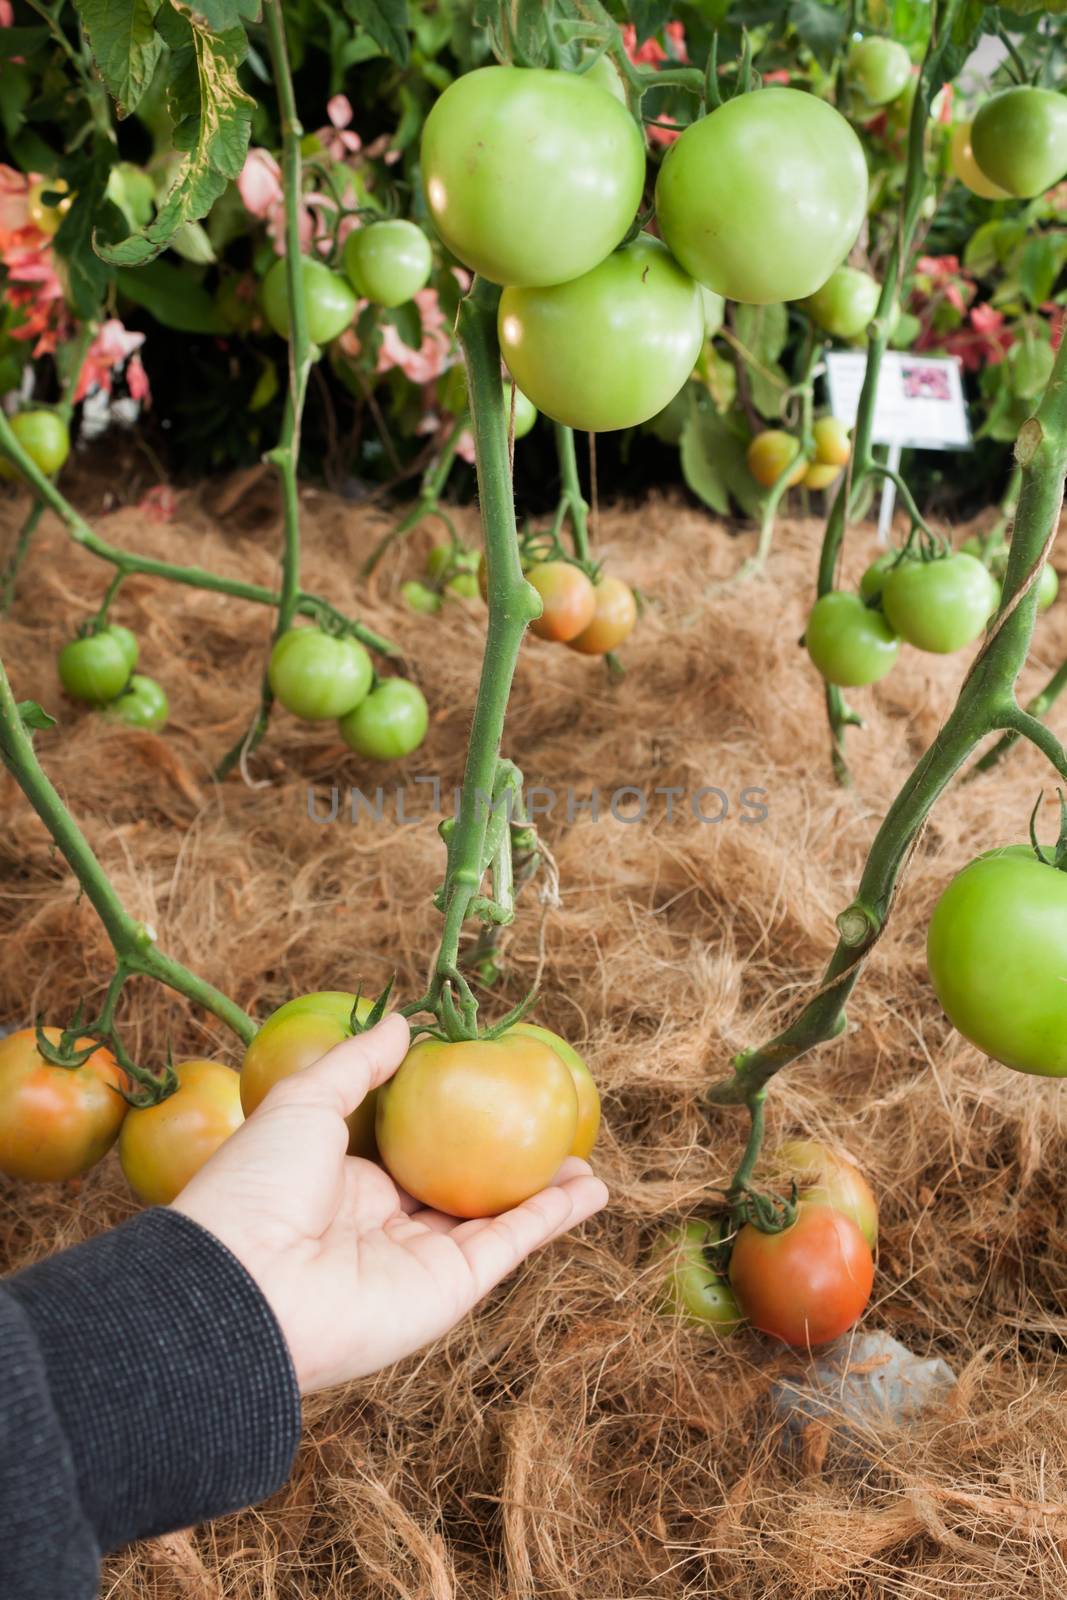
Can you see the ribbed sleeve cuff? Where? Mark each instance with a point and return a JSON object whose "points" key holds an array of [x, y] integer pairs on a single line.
{"points": [[168, 1372]]}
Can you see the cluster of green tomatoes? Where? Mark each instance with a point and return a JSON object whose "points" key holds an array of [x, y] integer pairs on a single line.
{"points": [[327, 677], [98, 669], [385, 262]]}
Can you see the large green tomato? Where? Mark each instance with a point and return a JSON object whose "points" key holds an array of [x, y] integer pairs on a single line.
{"points": [[939, 605], [388, 262], [845, 304], [966, 168], [607, 350], [45, 438], [878, 70], [391, 722], [1019, 139], [997, 953], [142, 704], [331, 305], [532, 177], [319, 677], [95, 669], [848, 642], [764, 197]]}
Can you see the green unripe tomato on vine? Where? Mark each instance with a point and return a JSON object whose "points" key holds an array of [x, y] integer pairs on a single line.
{"points": [[610, 349], [45, 438], [692, 1287], [940, 605], [845, 304], [849, 643], [764, 197], [605, 74], [532, 177], [142, 704], [96, 669], [878, 70], [966, 168], [873, 581], [388, 262], [390, 723], [1019, 140], [317, 676], [331, 305]]}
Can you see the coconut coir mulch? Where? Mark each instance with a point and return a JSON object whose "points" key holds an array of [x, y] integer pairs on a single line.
{"points": [[568, 1440]]}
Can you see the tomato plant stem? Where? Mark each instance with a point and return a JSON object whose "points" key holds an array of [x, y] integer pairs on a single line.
{"points": [[134, 944], [572, 504], [512, 605], [428, 503], [987, 704]]}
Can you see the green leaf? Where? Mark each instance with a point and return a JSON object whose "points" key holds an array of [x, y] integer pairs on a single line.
{"points": [[21, 41], [967, 29], [90, 212], [408, 323], [762, 330], [213, 117], [820, 27], [713, 464], [221, 15], [34, 717], [125, 45], [172, 296], [1042, 259], [387, 23], [1022, 8]]}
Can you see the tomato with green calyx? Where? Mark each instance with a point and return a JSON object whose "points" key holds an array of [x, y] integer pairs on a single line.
{"points": [[295, 1036], [531, 176], [878, 70], [95, 669], [56, 1122], [330, 303], [477, 1127], [832, 444], [850, 644], [588, 1124], [764, 197], [997, 952], [820, 475], [609, 349], [846, 302], [966, 168], [1031, 367], [390, 723], [613, 619], [1019, 140], [142, 704], [768, 455], [568, 600], [825, 1178], [940, 605], [45, 438], [47, 218], [388, 262], [162, 1146], [808, 1284], [319, 676], [693, 1289]]}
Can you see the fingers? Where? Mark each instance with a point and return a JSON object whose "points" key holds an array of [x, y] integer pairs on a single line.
{"points": [[347, 1073], [494, 1246]]}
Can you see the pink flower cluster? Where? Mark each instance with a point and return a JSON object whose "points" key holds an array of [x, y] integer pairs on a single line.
{"points": [[983, 339], [260, 185]]}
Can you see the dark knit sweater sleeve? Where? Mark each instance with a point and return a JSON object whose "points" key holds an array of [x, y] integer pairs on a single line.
{"points": [[147, 1386]]}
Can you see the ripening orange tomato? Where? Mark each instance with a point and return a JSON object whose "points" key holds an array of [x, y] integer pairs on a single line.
{"points": [[298, 1034], [584, 1085], [56, 1122], [613, 619], [162, 1146], [568, 600], [830, 1179], [768, 455]]}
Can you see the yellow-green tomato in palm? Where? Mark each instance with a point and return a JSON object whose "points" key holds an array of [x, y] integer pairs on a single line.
{"points": [[848, 642], [388, 262], [476, 1127], [588, 1125], [330, 303], [692, 1289], [390, 723], [761, 199], [319, 676], [607, 350], [162, 1146], [531, 176], [295, 1036]]}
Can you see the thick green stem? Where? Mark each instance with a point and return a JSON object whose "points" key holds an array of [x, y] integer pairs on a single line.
{"points": [[986, 704], [746, 1166], [571, 502], [286, 454], [512, 605], [1039, 706], [134, 944], [862, 463]]}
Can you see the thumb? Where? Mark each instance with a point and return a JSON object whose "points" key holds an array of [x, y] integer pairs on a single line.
{"points": [[345, 1075]]}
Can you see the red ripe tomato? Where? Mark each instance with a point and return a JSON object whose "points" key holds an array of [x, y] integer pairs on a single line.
{"points": [[477, 1127], [56, 1122], [568, 600], [809, 1283], [297, 1035], [162, 1146], [584, 1084], [613, 620], [825, 1178]]}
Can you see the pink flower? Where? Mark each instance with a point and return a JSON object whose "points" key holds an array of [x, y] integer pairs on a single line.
{"points": [[7, 14], [434, 353], [338, 140], [781, 76], [14, 205], [109, 352], [652, 52], [260, 182]]}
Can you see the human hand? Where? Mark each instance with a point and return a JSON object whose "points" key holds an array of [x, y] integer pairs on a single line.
{"points": [[355, 1272]]}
